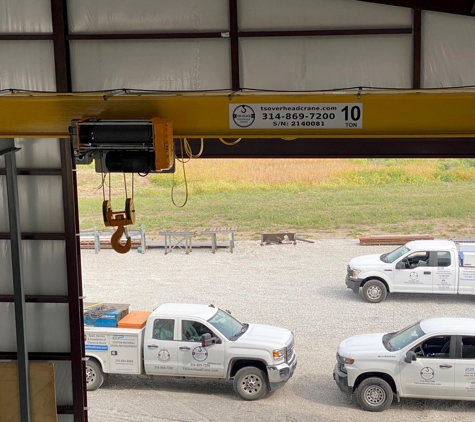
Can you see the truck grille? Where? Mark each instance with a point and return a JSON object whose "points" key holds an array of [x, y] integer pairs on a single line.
{"points": [[289, 351]]}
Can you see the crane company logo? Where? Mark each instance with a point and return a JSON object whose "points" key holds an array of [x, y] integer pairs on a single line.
{"points": [[164, 355], [200, 354], [427, 373], [244, 116], [413, 276]]}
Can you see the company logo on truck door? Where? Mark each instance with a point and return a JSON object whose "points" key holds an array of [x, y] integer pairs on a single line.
{"points": [[164, 355], [427, 373], [200, 354]]}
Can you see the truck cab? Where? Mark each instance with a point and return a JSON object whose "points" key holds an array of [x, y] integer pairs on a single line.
{"points": [[433, 358], [423, 266]]}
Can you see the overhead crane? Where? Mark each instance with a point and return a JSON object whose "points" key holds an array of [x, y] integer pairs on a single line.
{"points": [[446, 113], [360, 123]]}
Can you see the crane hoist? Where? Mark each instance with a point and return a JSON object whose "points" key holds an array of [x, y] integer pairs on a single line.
{"points": [[123, 146]]}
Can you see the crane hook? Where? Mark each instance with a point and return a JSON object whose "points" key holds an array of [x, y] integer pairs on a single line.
{"points": [[115, 240]]}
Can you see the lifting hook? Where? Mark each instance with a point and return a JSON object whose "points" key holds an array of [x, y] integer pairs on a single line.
{"points": [[119, 219], [115, 240]]}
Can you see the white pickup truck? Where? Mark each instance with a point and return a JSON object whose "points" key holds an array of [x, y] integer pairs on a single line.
{"points": [[431, 359], [421, 266], [185, 340]]}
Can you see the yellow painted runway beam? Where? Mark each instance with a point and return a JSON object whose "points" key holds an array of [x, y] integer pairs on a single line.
{"points": [[438, 114]]}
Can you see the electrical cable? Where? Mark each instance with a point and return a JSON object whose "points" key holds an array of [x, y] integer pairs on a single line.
{"points": [[189, 151], [230, 143], [184, 177], [132, 91], [97, 312]]}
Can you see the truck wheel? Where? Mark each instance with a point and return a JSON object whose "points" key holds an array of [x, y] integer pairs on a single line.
{"points": [[374, 394], [94, 375], [250, 383], [374, 291]]}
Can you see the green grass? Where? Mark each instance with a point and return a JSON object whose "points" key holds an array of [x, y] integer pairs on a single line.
{"points": [[355, 197]]}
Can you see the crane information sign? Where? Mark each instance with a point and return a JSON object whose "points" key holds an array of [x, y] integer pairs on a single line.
{"points": [[296, 116]]}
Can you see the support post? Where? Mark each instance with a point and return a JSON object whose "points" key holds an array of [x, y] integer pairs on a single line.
{"points": [[18, 288]]}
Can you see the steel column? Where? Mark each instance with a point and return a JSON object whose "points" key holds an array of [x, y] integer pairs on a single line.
{"points": [[75, 294], [417, 49], [18, 289]]}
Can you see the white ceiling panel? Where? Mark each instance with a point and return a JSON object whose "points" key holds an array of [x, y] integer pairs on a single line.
{"points": [[44, 267], [21, 16], [40, 153], [448, 50], [171, 65], [317, 63], [40, 201], [319, 14], [4, 222], [27, 65], [147, 15], [47, 327], [63, 383]]}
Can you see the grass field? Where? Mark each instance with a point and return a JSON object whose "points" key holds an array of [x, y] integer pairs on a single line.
{"points": [[314, 198]]}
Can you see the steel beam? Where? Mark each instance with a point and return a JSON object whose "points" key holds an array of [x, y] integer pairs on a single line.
{"points": [[386, 114], [336, 148], [456, 7], [18, 288]]}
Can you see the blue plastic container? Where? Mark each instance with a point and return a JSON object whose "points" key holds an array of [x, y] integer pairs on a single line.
{"points": [[108, 319]]}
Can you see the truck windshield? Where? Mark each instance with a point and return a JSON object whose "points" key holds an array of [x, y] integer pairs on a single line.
{"points": [[227, 325], [395, 254], [399, 340]]}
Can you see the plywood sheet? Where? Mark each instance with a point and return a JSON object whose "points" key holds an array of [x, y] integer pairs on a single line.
{"points": [[42, 392]]}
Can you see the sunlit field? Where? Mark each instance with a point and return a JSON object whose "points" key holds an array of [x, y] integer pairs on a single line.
{"points": [[312, 197]]}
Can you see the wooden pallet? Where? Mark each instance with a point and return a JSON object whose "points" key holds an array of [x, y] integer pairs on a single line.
{"points": [[387, 239]]}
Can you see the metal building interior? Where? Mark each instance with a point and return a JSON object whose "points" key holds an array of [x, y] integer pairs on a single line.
{"points": [[218, 70]]}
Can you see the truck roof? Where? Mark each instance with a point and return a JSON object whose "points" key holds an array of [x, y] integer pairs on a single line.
{"points": [[431, 245], [185, 310], [448, 325]]}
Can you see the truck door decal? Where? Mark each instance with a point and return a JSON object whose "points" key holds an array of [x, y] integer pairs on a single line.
{"points": [[164, 355], [200, 354]]}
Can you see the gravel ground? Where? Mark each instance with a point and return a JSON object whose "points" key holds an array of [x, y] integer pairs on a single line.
{"points": [[300, 287]]}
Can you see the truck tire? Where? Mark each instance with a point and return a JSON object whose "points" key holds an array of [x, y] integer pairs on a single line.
{"points": [[94, 375], [374, 291], [250, 383], [374, 394]]}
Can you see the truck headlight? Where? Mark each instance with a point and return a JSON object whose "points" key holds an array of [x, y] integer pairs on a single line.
{"points": [[344, 361], [278, 354], [354, 272], [347, 361]]}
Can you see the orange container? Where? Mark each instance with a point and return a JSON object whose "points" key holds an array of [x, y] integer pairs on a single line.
{"points": [[134, 319]]}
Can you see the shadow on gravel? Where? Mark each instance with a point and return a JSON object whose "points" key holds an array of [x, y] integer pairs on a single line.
{"points": [[220, 388], [418, 405], [429, 298], [347, 295], [325, 392]]}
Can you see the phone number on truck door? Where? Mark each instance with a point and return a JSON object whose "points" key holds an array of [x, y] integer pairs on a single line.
{"points": [[304, 116]]}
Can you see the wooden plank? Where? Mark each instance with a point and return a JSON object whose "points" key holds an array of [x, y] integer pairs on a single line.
{"points": [[42, 392], [389, 239]]}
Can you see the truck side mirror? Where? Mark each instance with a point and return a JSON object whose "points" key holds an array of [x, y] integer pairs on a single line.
{"points": [[207, 340], [410, 356], [400, 265]]}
